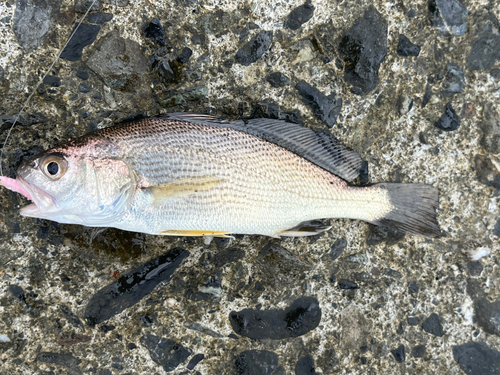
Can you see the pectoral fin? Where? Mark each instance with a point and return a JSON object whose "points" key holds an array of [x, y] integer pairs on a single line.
{"points": [[195, 233], [182, 187], [307, 228]]}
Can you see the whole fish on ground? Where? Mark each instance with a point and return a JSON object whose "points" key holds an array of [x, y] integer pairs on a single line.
{"points": [[187, 174]]}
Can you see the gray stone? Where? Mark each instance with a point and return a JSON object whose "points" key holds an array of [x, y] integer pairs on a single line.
{"points": [[165, 352], [490, 129], [363, 48], [449, 16], [81, 6], [485, 48], [119, 62], [33, 21], [488, 315], [254, 49], [455, 80], [476, 358]]}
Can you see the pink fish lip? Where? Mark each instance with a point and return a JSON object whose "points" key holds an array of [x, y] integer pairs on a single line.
{"points": [[42, 201]]}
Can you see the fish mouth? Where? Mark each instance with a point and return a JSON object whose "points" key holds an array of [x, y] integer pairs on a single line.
{"points": [[42, 201]]}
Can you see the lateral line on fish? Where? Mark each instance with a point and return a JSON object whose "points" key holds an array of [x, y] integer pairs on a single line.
{"points": [[26, 102]]}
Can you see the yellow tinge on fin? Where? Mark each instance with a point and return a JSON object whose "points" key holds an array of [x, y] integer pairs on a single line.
{"points": [[182, 187], [195, 233]]}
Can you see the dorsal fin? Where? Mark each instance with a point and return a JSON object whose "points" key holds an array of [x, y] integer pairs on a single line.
{"points": [[320, 148]]}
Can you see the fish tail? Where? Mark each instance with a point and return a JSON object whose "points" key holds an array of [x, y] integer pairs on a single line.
{"points": [[413, 209]]}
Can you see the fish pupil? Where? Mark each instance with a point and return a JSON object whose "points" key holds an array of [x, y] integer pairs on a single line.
{"points": [[53, 168]]}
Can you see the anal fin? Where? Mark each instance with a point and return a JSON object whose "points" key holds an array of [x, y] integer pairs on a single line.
{"points": [[307, 228], [196, 233]]}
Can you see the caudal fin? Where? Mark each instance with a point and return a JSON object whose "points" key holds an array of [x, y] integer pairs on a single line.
{"points": [[414, 209]]}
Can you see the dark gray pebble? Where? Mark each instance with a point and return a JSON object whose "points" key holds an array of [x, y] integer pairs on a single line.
{"points": [[165, 352], [486, 171], [413, 320], [449, 121], [347, 284], [433, 326], [154, 30], [455, 80], [85, 35], [380, 234], [194, 361], [299, 16], [231, 255], [52, 81], [449, 16], [418, 351], [301, 317], [338, 248], [363, 48], [496, 228], [399, 353], [485, 48], [81, 6], [476, 358], [132, 287], [257, 362], [254, 49], [488, 315], [277, 79], [305, 366], [325, 108], [66, 360], [99, 17], [82, 73], [406, 47], [475, 268], [490, 129]]}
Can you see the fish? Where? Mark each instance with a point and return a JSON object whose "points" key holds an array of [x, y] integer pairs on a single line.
{"points": [[185, 174]]}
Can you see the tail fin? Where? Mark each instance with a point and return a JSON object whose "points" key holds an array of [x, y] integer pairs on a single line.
{"points": [[414, 209]]}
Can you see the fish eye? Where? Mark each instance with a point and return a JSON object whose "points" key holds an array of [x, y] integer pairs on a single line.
{"points": [[54, 166]]}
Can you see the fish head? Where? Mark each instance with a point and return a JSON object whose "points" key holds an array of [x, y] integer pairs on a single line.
{"points": [[78, 185]]}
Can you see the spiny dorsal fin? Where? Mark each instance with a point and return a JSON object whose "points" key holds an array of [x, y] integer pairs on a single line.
{"points": [[320, 148]]}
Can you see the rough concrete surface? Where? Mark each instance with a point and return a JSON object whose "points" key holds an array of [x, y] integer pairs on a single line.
{"points": [[356, 300]]}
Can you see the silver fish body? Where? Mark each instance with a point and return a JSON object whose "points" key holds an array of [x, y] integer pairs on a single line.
{"points": [[185, 175]]}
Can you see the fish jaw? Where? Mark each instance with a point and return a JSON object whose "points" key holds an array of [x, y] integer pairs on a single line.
{"points": [[42, 202]]}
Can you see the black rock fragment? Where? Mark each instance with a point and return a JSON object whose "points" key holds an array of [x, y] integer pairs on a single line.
{"points": [[52, 81], [165, 352], [455, 80], [300, 15], [194, 361], [399, 353], [82, 73], [302, 316], [338, 248], [305, 366], [406, 47], [84, 36], [132, 287], [475, 268], [488, 315], [231, 255], [418, 351], [61, 359], [18, 292], [2, 75], [427, 95], [413, 320], [433, 326], [363, 48], [496, 228], [347, 284], [222, 242], [81, 6], [185, 55], [154, 30], [449, 16], [325, 108], [119, 62], [33, 21], [99, 17], [277, 79], [257, 362], [485, 49], [476, 358], [449, 121], [70, 316], [490, 129], [254, 49], [486, 172]]}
